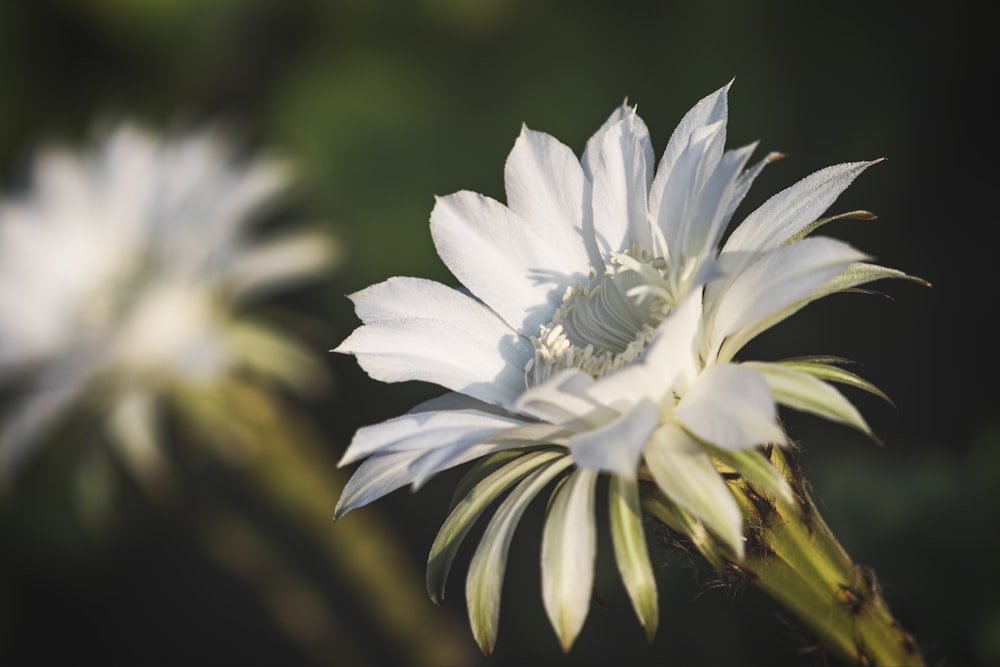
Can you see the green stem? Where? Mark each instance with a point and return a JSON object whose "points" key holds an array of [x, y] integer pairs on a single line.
{"points": [[794, 557]]}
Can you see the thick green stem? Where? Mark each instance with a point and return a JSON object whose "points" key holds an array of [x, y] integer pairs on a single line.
{"points": [[794, 557]]}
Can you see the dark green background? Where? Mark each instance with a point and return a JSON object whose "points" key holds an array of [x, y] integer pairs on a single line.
{"points": [[387, 104]]}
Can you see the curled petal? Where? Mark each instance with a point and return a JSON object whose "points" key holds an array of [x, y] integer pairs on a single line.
{"points": [[730, 406], [616, 446]]}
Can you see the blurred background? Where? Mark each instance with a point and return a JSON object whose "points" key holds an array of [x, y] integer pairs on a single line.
{"points": [[386, 104]]}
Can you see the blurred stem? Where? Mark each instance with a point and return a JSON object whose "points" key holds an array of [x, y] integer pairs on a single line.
{"points": [[302, 613], [291, 468], [794, 557]]}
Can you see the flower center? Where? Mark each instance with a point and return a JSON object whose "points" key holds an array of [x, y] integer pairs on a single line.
{"points": [[606, 323]]}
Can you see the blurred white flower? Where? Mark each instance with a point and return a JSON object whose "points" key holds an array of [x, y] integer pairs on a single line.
{"points": [[124, 272], [596, 338]]}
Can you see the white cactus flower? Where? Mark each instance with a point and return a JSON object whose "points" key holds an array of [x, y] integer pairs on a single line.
{"points": [[124, 272], [596, 339]]}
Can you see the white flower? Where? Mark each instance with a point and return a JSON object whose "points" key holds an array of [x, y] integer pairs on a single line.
{"points": [[597, 339], [121, 273]]}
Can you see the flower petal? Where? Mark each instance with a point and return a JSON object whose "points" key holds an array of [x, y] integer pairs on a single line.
{"points": [[277, 263], [563, 400], [696, 144], [730, 406], [775, 280], [519, 268], [782, 216], [569, 545], [545, 187], [714, 205], [616, 446], [709, 110], [621, 185], [677, 204], [419, 329], [377, 476], [631, 553], [426, 431], [686, 474], [670, 355], [455, 454], [486, 571]]}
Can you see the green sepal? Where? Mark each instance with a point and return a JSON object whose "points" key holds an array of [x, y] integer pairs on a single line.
{"points": [[631, 553], [468, 509], [816, 224], [824, 369], [755, 467], [569, 547], [486, 571], [479, 471]]}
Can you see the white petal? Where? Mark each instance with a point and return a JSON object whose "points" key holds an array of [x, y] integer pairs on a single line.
{"points": [[520, 269], [777, 278], [686, 474], [592, 151], [453, 400], [786, 213], [730, 406], [562, 400], [677, 201], [746, 180], [383, 473], [418, 329], [375, 477], [133, 423], [616, 446], [434, 461], [714, 205], [620, 187], [710, 109], [449, 456], [486, 571], [426, 431], [278, 263], [546, 187], [28, 421], [670, 354], [803, 391], [569, 544]]}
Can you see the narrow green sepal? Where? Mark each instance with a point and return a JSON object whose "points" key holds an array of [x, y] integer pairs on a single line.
{"points": [[468, 509], [816, 224], [631, 552], [824, 369]]}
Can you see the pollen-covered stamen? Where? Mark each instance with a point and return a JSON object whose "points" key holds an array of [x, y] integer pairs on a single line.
{"points": [[606, 323]]}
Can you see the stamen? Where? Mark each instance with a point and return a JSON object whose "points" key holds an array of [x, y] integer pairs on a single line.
{"points": [[607, 323]]}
